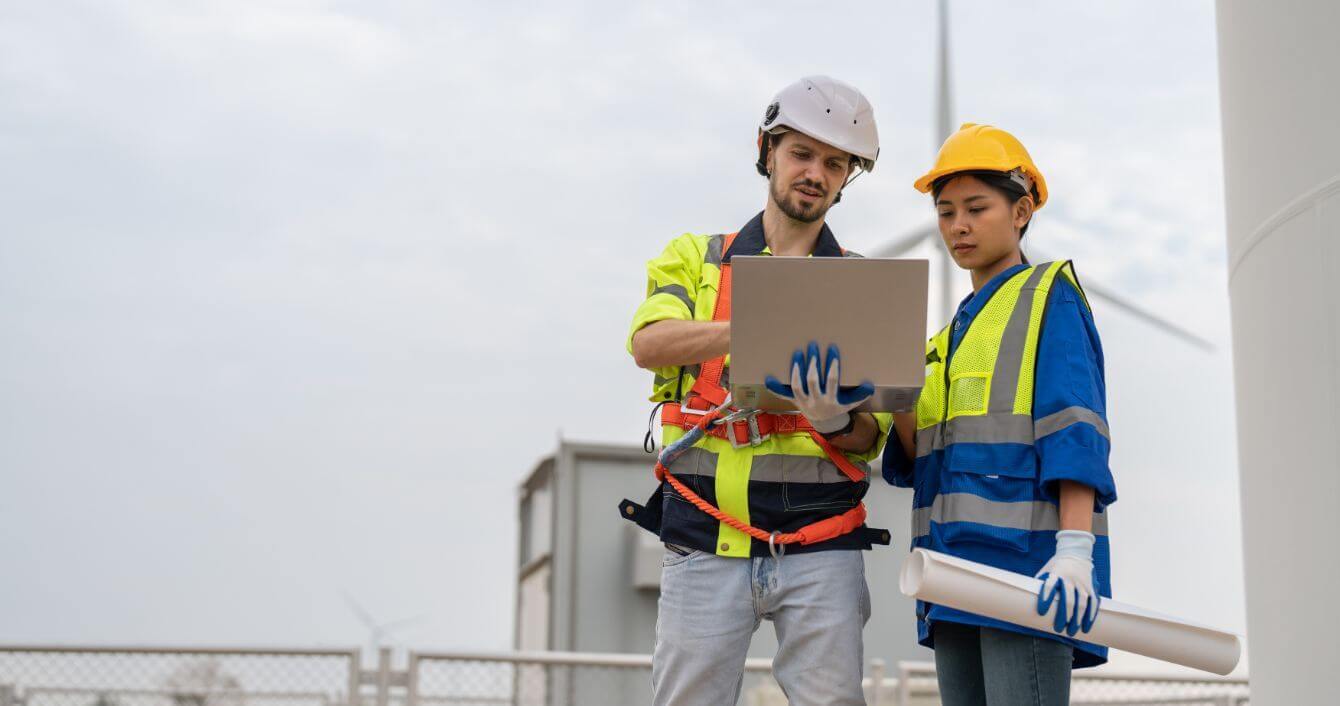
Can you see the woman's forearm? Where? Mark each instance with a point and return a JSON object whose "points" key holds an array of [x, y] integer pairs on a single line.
{"points": [[862, 436], [1076, 506], [672, 342], [905, 426]]}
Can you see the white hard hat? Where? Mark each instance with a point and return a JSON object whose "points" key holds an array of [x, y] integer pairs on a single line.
{"points": [[827, 110]]}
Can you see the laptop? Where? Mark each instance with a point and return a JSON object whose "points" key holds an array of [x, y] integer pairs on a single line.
{"points": [[874, 309]]}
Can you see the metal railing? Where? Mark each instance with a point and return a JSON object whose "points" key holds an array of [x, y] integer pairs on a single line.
{"points": [[195, 676], [915, 683], [542, 678]]}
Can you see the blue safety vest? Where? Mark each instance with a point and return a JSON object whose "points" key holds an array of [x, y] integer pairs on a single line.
{"points": [[1012, 404]]}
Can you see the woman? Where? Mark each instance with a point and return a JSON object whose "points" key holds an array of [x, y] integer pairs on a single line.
{"points": [[1007, 450]]}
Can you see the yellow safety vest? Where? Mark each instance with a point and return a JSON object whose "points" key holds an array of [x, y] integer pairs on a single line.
{"points": [[717, 468], [984, 398]]}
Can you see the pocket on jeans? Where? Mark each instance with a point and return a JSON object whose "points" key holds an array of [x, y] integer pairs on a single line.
{"points": [[676, 555]]}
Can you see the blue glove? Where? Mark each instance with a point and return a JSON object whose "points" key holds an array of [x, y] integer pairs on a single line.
{"points": [[1068, 581], [815, 391]]}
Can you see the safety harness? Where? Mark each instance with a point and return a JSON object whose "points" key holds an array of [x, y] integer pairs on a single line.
{"points": [[706, 410]]}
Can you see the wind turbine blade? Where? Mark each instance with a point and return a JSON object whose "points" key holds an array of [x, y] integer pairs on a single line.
{"points": [[401, 623], [908, 241], [1101, 292], [357, 608], [1111, 297]]}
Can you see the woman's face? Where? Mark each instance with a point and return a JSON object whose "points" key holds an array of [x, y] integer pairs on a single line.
{"points": [[978, 224]]}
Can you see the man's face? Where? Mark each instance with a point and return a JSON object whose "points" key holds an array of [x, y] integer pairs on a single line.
{"points": [[805, 175]]}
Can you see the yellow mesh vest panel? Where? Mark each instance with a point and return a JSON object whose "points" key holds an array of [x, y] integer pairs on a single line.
{"points": [[1023, 398], [931, 401], [974, 360]]}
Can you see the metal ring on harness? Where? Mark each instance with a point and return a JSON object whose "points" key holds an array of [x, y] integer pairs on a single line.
{"points": [[777, 550]]}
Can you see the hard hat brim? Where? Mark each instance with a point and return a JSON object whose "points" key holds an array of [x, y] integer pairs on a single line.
{"points": [[928, 179]]}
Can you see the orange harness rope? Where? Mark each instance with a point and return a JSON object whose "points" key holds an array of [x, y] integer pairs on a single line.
{"points": [[708, 388]]}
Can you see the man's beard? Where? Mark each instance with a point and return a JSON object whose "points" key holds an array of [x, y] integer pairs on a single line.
{"points": [[799, 211]]}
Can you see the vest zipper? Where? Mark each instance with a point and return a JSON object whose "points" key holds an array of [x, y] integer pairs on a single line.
{"points": [[944, 414]]}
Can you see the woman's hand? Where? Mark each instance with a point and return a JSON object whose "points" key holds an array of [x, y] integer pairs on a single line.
{"points": [[1067, 580]]}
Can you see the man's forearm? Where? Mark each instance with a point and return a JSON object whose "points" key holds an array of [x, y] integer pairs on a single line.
{"points": [[862, 435], [1076, 506], [671, 342]]}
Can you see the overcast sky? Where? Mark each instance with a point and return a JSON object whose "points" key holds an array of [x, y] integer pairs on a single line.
{"points": [[290, 291]]}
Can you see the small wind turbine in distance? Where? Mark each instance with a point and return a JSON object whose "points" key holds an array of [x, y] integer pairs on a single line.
{"points": [[378, 631], [930, 232]]}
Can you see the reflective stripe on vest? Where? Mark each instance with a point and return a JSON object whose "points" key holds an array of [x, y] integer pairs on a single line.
{"points": [[985, 396], [1036, 515], [772, 468]]}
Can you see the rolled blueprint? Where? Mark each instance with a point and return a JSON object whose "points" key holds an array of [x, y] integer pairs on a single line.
{"points": [[995, 593]]}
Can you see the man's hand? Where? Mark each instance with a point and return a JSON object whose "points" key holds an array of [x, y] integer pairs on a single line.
{"points": [[817, 393]]}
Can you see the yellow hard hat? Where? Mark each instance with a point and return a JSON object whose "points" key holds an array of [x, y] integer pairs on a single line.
{"points": [[983, 147]]}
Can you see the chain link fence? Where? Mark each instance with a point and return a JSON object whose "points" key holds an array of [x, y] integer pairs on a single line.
{"points": [[74, 676], [1104, 690], [70, 676]]}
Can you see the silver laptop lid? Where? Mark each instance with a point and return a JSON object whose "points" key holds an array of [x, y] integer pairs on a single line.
{"points": [[873, 309]]}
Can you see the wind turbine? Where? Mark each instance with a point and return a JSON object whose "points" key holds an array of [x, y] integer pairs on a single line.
{"points": [[377, 631], [931, 232]]}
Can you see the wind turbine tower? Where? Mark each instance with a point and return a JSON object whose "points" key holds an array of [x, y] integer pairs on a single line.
{"points": [[1278, 64]]}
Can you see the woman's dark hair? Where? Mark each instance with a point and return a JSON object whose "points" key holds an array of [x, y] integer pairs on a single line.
{"points": [[1008, 188]]}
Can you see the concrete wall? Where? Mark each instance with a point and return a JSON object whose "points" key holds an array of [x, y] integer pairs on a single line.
{"points": [[1279, 72]]}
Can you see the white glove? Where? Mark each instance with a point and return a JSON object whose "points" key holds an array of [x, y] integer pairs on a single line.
{"points": [[1067, 580], [821, 401]]}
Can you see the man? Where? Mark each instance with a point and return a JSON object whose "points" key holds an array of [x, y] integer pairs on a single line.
{"points": [[756, 480]]}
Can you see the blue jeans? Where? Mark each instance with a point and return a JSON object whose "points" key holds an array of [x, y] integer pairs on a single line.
{"points": [[979, 666], [710, 607]]}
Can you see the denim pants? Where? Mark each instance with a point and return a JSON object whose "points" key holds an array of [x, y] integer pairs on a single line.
{"points": [[710, 607], [979, 666]]}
